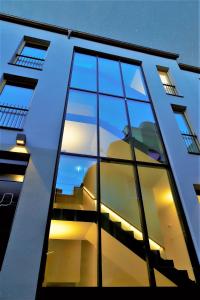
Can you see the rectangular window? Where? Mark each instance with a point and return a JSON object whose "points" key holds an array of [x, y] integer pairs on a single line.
{"points": [[167, 82], [190, 139], [15, 96], [31, 53]]}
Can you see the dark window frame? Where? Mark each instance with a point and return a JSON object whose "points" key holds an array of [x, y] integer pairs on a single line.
{"points": [[30, 62], [13, 116], [186, 232], [178, 109], [170, 89]]}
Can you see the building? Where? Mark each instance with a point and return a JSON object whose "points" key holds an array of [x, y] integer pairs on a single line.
{"points": [[99, 155]]}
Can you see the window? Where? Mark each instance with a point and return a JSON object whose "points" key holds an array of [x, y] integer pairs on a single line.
{"points": [[15, 96], [167, 82], [31, 53], [112, 168], [190, 139], [197, 190]]}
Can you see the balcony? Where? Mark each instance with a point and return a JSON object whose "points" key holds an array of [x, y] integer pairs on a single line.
{"points": [[191, 143], [170, 89], [29, 62], [12, 116]]}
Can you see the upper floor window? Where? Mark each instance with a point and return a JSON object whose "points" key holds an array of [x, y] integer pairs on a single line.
{"points": [[188, 135], [31, 53], [15, 96], [197, 191], [167, 82]]}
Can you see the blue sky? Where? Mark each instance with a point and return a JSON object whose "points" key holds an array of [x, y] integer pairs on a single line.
{"points": [[166, 25]]}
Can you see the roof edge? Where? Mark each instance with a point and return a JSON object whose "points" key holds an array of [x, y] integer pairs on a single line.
{"points": [[88, 36], [189, 68]]}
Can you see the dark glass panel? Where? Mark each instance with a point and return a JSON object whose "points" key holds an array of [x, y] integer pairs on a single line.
{"points": [[109, 77], [162, 219], [144, 131], [16, 95], [80, 132], [76, 183], [134, 82], [84, 72], [113, 128]]}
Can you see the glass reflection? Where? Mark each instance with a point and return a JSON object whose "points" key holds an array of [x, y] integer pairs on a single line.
{"points": [[80, 134], [16, 95], [109, 77], [76, 183], [72, 254], [118, 192], [134, 83], [113, 128], [34, 52], [144, 131], [84, 72], [182, 124], [162, 218]]}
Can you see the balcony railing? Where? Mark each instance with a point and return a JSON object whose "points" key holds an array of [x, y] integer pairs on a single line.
{"points": [[191, 143], [29, 62], [12, 116], [170, 89]]}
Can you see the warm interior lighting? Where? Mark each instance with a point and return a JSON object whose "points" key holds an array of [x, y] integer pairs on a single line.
{"points": [[68, 230], [21, 139], [198, 197], [125, 225], [19, 149]]}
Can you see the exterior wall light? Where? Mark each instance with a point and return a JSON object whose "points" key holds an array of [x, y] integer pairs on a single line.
{"points": [[21, 139]]}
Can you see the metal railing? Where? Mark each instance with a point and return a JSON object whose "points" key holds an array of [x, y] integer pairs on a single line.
{"points": [[28, 61], [191, 143], [170, 89], [12, 116]]}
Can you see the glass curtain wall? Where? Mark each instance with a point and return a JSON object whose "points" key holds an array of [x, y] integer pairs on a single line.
{"points": [[114, 220]]}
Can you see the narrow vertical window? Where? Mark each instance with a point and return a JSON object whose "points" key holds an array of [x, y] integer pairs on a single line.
{"points": [[190, 138], [167, 82]]}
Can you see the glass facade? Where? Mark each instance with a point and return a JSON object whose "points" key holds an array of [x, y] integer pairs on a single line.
{"points": [[114, 215]]}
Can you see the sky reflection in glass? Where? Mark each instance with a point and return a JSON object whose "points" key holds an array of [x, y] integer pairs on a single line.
{"points": [[16, 95], [71, 172], [182, 124], [134, 83], [113, 128], [84, 72], [34, 52], [109, 77]]}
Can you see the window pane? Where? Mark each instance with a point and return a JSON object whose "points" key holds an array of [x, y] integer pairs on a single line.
{"points": [[123, 259], [134, 83], [72, 254], [144, 131], [162, 218], [76, 183], [34, 52], [113, 128], [84, 72], [164, 77], [182, 124], [109, 77], [16, 95], [80, 132], [118, 193]]}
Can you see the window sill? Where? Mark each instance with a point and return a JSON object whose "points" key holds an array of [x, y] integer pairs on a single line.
{"points": [[37, 69], [194, 153], [180, 96], [10, 128]]}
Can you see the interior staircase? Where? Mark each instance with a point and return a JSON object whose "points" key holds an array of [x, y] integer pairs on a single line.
{"points": [[126, 237]]}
